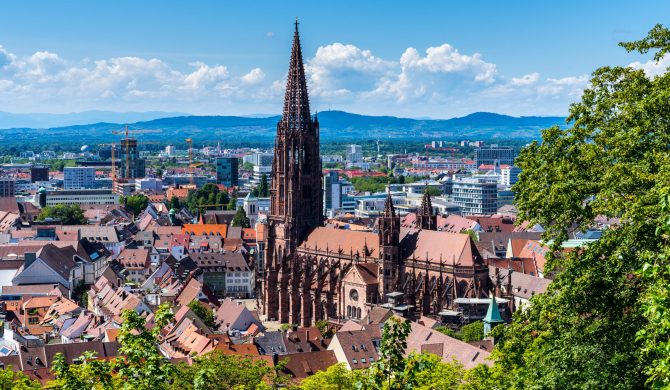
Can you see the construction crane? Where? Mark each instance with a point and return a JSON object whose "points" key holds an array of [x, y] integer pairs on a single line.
{"points": [[189, 141], [127, 139]]}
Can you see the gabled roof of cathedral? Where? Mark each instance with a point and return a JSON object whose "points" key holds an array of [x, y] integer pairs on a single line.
{"points": [[296, 115], [348, 241], [436, 246]]}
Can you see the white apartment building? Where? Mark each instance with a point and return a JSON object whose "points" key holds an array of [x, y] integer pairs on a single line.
{"points": [[354, 153], [78, 177], [476, 195]]}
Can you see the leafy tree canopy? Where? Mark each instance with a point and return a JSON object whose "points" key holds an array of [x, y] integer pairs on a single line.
{"points": [[602, 322], [68, 214]]}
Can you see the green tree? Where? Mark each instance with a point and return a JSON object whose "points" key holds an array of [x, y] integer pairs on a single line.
{"points": [[263, 190], [336, 377], [390, 371], [141, 365], [232, 205], [449, 332], [174, 203], [473, 331], [215, 371], [247, 166], [135, 203], [68, 214], [222, 198], [322, 325], [204, 312], [436, 374], [89, 373], [10, 380], [240, 219], [432, 191], [613, 160]]}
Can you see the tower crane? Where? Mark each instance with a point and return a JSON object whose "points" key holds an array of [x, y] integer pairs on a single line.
{"points": [[127, 139], [191, 168]]}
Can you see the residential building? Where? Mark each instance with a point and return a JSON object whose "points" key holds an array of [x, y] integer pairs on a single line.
{"points": [[39, 173], [50, 265], [75, 178], [357, 349], [477, 195], [137, 263], [233, 316], [354, 153], [227, 171], [509, 175], [7, 187]]}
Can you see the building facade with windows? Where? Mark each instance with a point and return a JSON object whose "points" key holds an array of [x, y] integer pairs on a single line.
{"points": [[476, 195], [487, 155], [82, 197], [227, 171], [75, 178]]}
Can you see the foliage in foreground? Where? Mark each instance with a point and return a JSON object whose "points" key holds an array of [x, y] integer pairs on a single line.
{"points": [[603, 322]]}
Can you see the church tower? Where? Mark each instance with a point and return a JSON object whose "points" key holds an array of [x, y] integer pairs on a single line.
{"points": [[391, 267], [296, 196], [426, 218]]}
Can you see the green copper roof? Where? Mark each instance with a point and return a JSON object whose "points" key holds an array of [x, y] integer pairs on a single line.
{"points": [[493, 314]]}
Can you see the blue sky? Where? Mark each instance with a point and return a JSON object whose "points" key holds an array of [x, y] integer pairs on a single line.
{"points": [[437, 59]]}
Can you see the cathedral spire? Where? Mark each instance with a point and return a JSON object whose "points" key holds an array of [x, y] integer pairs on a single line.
{"points": [[426, 218], [426, 204], [389, 210], [296, 114]]}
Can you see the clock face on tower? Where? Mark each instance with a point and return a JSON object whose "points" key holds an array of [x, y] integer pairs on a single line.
{"points": [[353, 295]]}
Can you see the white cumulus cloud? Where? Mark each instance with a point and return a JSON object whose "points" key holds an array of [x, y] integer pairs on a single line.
{"points": [[651, 68]]}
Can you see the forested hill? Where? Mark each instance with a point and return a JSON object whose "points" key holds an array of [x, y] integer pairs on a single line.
{"points": [[335, 125]]}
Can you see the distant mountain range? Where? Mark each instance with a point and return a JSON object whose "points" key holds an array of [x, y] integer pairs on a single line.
{"points": [[42, 121], [335, 125]]}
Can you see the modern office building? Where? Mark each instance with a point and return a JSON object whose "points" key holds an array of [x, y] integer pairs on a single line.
{"points": [[149, 184], [78, 177], [39, 173], [227, 171], [487, 155], [354, 153], [259, 159], [7, 187], [81, 197], [136, 166], [332, 193], [477, 195]]}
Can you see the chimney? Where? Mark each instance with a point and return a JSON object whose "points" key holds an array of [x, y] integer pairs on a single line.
{"points": [[28, 259], [275, 359]]}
